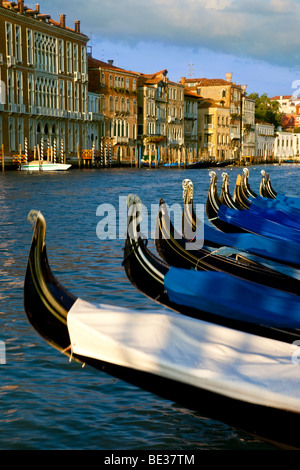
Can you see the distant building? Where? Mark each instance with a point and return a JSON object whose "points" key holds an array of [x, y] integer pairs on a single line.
{"points": [[191, 100], [286, 146], [43, 72], [152, 114], [248, 128], [286, 103], [118, 101], [161, 116], [265, 140], [214, 130], [289, 105], [229, 95]]}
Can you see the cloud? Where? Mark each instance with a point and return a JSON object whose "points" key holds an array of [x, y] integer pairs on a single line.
{"points": [[267, 30]]}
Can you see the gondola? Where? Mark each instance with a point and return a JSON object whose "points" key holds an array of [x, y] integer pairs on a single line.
{"points": [[186, 165], [265, 188], [178, 251], [146, 164], [232, 221], [287, 204], [241, 379], [247, 190], [235, 201], [272, 250], [224, 163]]}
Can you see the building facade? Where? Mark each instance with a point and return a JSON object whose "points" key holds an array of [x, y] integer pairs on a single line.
{"points": [[264, 140], [191, 124], [118, 106], [152, 115], [226, 94], [287, 146], [44, 76], [214, 130], [248, 127]]}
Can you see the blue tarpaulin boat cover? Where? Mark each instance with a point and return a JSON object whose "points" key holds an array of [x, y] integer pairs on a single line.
{"points": [[285, 203], [228, 296], [258, 225], [276, 214], [276, 250]]}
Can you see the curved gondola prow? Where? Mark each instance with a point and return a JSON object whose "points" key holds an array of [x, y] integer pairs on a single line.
{"points": [[272, 194], [238, 196], [245, 184], [213, 202], [225, 196], [144, 270], [263, 192], [46, 302], [189, 220]]}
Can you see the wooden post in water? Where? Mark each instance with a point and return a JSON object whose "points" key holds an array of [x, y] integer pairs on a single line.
{"points": [[26, 150], [93, 153], [54, 150], [78, 156], [2, 152], [42, 149], [61, 151]]}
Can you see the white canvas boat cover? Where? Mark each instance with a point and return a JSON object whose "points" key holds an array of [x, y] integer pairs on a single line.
{"points": [[215, 358]]}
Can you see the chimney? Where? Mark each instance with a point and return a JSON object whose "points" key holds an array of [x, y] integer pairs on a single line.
{"points": [[182, 80], [228, 77], [77, 26], [110, 61], [21, 6], [62, 19], [37, 8]]}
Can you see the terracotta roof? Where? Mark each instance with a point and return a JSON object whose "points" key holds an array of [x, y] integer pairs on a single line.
{"points": [[198, 82], [284, 97], [96, 64], [191, 94], [152, 79], [258, 121], [39, 16]]}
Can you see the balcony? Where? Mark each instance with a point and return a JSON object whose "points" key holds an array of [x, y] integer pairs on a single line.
{"points": [[190, 115], [235, 135], [16, 108], [208, 145], [74, 114], [121, 140], [95, 117], [208, 126]]}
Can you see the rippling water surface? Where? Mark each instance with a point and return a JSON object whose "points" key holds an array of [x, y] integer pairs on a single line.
{"points": [[46, 402]]}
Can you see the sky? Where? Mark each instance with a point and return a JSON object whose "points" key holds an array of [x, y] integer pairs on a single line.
{"points": [[258, 41]]}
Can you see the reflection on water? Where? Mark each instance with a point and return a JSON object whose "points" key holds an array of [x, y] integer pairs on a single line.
{"points": [[47, 402]]}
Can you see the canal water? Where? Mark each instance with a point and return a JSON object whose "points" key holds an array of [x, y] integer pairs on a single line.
{"points": [[46, 402]]}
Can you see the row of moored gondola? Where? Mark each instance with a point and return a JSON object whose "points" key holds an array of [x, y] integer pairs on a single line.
{"points": [[223, 345]]}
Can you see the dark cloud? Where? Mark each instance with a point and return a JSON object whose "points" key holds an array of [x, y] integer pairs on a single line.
{"points": [[267, 30]]}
